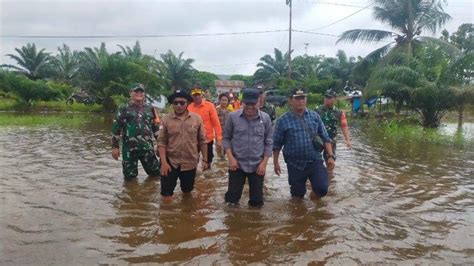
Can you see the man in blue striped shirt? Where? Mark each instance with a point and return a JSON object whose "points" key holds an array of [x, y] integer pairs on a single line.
{"points": [[294, 132]]}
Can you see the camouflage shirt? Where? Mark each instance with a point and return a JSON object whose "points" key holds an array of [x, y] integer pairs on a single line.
{"points": [[137, 124], [331, 118], [270, 110], [222, 114]]}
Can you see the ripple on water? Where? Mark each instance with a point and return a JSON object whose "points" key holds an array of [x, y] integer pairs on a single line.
{"points": [[64, 202]]}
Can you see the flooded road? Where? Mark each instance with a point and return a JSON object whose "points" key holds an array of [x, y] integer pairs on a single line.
{"points": [[63, 201]]}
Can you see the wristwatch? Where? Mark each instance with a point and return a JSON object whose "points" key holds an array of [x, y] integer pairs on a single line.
{"points": [[331, 156]]}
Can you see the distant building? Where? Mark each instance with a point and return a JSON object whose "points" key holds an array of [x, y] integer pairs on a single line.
{"points": [[234, 86]]}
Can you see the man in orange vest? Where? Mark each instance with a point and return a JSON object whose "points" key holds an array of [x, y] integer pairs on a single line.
{"points": [[208, 113]]}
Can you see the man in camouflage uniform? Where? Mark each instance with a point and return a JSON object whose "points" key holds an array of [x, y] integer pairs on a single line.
{"points": [[137, 124], [332, 117], [264, 105]]}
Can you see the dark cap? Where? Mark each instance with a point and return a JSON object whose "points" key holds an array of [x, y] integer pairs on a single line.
{"points": [[250, 96], [297, 92], [330, 93], [179, 94], [136, 87]]}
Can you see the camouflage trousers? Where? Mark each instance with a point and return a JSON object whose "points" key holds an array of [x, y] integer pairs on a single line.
{"points": [[130, 159]]}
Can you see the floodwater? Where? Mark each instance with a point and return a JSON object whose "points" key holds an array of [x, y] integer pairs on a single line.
{"points": [[63, 201]]}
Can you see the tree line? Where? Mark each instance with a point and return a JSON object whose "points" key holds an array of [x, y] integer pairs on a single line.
{"points": [[427, 75]]}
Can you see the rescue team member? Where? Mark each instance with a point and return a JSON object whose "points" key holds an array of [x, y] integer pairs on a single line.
{"points": [[207, 112], [332, 117], [137, 124]]}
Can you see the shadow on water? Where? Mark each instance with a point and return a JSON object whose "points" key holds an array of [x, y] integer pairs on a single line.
{"points": [[64, 202]]}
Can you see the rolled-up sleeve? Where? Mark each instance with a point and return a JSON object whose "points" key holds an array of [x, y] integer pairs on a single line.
{"points": [[163, 133], [227, 135], [202, 138], [268, 137], [278, 135], [117, 127]]}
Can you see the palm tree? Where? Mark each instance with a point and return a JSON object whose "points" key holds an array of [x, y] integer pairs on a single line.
{"points": [[32, 63], [134, 52], [65, 64], [460, 72], [176, 70], [408, 18], [272, 68]]}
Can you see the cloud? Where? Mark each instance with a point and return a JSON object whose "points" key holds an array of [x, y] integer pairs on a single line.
{"points": [[218, 54]]}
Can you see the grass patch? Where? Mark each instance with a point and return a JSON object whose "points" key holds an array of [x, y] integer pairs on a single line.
{"points": [[8, 104], [66, 120], [48, 106], [405, 130]]}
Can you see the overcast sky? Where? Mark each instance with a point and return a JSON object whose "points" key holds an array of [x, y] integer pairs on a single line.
{"points": [[229, 54]]}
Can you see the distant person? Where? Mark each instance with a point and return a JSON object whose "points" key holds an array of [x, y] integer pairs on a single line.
{"points": [[208, 114], [236, 104], [248, 146], [332, 117], [264, 105], [182, 135], [297, 132], [137, 124], [223, 110]]}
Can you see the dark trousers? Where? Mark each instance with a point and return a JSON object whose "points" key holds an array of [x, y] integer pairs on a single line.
{"points": [[210, 152], [316, 173], [236, 186], [186, 181]]}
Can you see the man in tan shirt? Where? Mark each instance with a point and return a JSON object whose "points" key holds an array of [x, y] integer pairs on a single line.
{"points": [[181, 136]]}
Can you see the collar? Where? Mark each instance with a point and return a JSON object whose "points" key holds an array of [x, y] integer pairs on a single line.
{"points": [[132, 103], [241, 113], [186, 115], [305, 113]]}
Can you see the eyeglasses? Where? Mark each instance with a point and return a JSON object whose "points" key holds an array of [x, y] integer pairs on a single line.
{"points": [[182, 103]]}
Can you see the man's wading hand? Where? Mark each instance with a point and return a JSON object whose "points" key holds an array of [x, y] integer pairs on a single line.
{"points": [[115, 153], [276, 168], [261, 169], [233, 165], [165, 169], [330, 164]]}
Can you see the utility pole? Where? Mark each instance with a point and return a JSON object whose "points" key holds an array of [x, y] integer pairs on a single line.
{"points": [[289, 2], [306, 48]]}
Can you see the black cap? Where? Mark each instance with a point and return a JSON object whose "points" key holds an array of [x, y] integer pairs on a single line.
{"points": [[330, 93], [297, 92], [250, 96], [179, 94]]}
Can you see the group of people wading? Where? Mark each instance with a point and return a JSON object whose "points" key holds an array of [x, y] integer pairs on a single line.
{"points": [[245, 135]]}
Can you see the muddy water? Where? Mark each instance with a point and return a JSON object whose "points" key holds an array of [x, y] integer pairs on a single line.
{"points": [[63, 201]]}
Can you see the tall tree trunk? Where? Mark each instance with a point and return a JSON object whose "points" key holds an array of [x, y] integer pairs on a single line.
{"points": [[398, 107]]}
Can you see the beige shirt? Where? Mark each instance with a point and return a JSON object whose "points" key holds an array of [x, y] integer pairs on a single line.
{"points": [[181, 136]]}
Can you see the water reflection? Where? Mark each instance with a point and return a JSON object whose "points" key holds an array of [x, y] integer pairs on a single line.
{"points": [[64, 202]]}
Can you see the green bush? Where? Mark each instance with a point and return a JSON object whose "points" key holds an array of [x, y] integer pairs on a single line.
{"points": [[64, 89], [315, 98]]}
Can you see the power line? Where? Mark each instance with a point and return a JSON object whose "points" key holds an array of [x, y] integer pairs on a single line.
{"points": [[316, 33], [140, 36], [334, 4], [344, 18]]}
